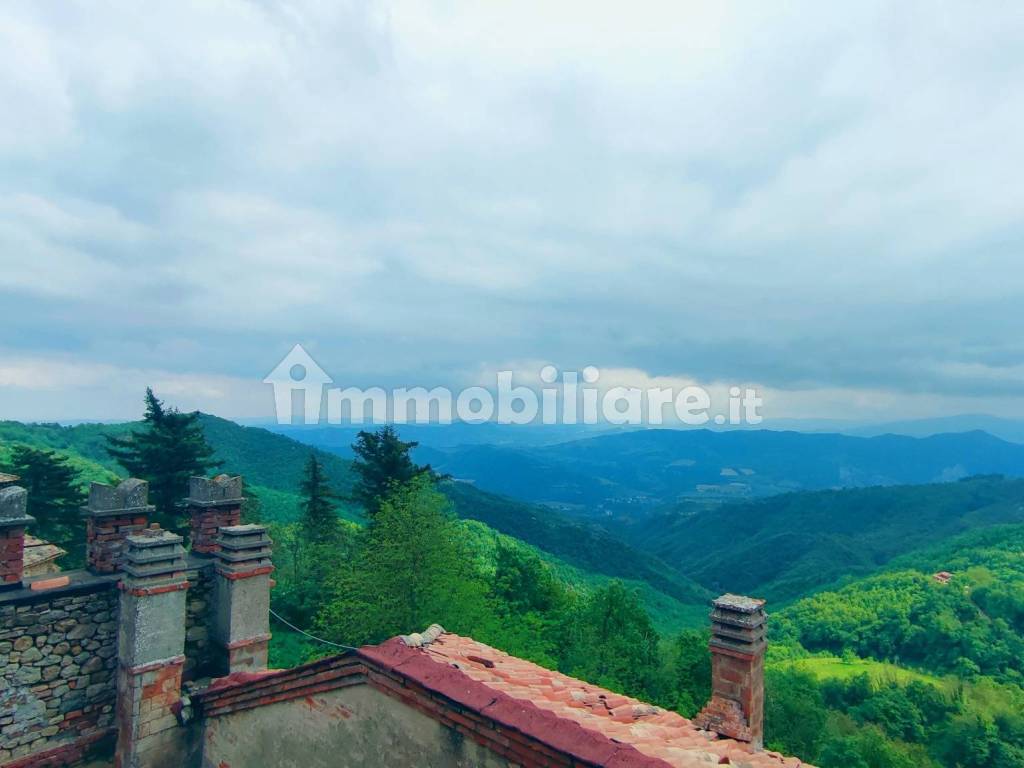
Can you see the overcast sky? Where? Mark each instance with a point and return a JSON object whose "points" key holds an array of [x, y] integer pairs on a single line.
{"points": [[825, 200]]}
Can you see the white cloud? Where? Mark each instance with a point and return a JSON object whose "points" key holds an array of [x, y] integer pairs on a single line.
{"points": [[66, 389], [34, 89], [806, 195]]}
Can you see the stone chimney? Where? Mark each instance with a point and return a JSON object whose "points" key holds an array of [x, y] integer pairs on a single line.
{"points": [[112, 514], [736, 708], [151, 647], [241, 626], [13, 519], [213, 503]]}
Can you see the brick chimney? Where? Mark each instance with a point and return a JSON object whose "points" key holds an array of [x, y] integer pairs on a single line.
{"points": [[13, 519], [151, 647], [736, 708], [213, 503], [112, 514], [241, 591]]}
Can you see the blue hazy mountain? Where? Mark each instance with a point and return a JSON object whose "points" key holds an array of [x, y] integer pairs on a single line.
{"points": [[631, 472], [1006, 429]]}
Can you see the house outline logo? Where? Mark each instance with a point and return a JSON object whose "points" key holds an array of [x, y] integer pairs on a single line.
{"points": [[298, 372]]}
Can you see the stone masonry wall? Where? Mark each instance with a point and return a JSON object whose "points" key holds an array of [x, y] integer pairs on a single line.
{"points": [[58, 656], [200, 656]]}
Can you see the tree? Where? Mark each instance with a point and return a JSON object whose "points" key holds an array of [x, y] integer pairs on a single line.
{"points": [[252, 507], [412, 569], [612, 642], [842, 752], [691, 664], [523, 582], [319, 516], [54, 495], [794, 712], [168, 450], [382, 463]]}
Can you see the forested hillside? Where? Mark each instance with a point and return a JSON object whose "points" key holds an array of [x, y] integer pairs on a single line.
{"points": [[907, 668], [791, 544], [273, 466]]}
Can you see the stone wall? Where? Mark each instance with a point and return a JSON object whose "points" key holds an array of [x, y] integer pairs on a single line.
{"points": [[200, 655], [58, 656]]}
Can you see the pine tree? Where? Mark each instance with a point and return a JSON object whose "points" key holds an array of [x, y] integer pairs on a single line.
{"points": [[168, 450], [319, 515], [383, 463], [54, 495]]}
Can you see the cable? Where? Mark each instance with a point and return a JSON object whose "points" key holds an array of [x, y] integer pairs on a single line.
{"points": [[311, 637]]}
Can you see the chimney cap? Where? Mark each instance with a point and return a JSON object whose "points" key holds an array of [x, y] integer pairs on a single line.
{"points": [[13, 507], [214, 491], [131, 495], [739, 603]]}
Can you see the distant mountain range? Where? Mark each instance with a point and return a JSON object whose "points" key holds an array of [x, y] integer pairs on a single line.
{"points": [[633, 473], [1006, 429], [340, 436]]}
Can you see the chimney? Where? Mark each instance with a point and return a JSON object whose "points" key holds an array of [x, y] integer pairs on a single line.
{"points": [[241, 592], [151, 647], [213, 503], [736, 708], [13, 519], [112, 514]]}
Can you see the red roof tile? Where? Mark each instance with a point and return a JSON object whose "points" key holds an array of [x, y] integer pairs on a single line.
{"points": [[571, 716]]}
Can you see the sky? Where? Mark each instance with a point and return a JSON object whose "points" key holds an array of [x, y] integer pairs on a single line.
{"points": [[821, 200]]}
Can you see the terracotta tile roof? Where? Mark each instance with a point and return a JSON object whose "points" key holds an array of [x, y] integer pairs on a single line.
{"points": [[595, 725]]}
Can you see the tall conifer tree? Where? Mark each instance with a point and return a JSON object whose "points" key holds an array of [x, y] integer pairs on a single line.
{"points": [[319, 514], [54, 495], [382, 463], [169, 449]]}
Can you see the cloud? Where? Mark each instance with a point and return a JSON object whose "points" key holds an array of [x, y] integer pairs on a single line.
{"points": [[66, 389], [816, 198]]}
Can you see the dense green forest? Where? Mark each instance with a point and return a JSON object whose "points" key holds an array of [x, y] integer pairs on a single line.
{"points": [[927, 670], [874, 662], [786, 546]]}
